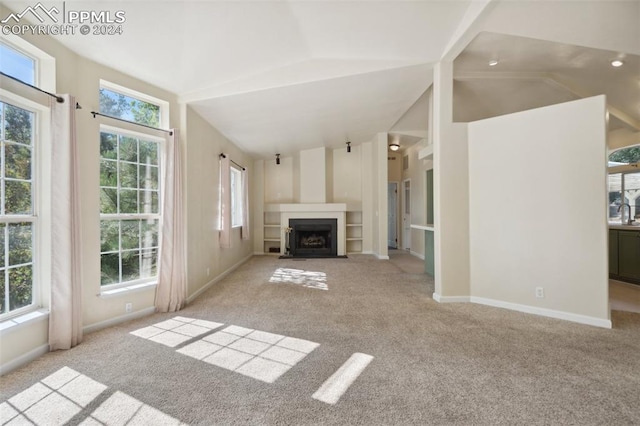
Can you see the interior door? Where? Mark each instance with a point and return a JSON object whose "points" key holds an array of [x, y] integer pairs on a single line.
{"points": [[406, 214], [392, 216]]}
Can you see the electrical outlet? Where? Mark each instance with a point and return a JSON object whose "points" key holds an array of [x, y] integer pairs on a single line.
{"points": [[128, 307], [539, 292]]}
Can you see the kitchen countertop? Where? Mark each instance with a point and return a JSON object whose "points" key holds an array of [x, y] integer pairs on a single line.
{"points": [[427, 227], [619, 226]]}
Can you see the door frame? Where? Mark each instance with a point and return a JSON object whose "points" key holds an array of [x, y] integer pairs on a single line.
{"points": [[395, 208], [406, 216]]}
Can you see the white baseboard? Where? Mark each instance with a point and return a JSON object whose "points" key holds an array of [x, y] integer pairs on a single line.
{"points": [[23, 359], [117, 320], [218, 278], [381, 257], [418, 255], [567, 316], [450, 299]]}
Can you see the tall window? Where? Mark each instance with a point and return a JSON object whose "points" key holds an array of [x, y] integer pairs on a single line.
{"points": [[18, 65], [17, 216], [236, 197], [129, 192]]}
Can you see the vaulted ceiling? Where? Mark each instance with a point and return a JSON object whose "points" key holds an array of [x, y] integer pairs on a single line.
{"points": [[280, 76]]}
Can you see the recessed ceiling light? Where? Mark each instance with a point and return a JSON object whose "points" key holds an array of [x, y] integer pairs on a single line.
{"points": [[617, 63], [493, 62]]}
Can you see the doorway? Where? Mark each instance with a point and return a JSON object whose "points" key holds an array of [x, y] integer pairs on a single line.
{"points": [[406, 214], [392, 216]]}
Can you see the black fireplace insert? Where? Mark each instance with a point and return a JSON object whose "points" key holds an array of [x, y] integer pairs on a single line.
{"points": [[313, 237]]}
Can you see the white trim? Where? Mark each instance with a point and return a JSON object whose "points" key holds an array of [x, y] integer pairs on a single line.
{"points": [[450, 299], [218, 278], [117, 320], [416, 254], [21, 321], [127, 289], [381, 257], [23, 359], [567, 316]]}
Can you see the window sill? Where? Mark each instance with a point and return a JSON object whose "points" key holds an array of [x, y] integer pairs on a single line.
{"points": [[23, 320], [127, 290]]}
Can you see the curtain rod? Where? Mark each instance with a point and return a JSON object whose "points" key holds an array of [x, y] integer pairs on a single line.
{"points": [[94, 113], [224, 156], [59, 99]]}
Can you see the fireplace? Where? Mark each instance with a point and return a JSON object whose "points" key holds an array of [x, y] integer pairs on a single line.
{"points": [[313, 237]]}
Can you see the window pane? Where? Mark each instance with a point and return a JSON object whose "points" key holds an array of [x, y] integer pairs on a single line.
{"points": [[18, 124], [128, 175], [109, 268], [130, 265], [108, 145], [109, 235], [20, 243], [3, 302], [109, 173], [148, 152], [3, 229], [20, 287], [128, 149], [17, 65], [148, 177], [108, 201], [149, 236], [128, 201], [149, 263], [632, 194], [130, 234], [18, 161], [17, 197], [129, 108]]}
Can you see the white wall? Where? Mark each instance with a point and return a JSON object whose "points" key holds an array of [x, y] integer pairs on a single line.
{"points": [[206, 261], [347, 177], [313, 176], [538, 213], [279, 181], [81, 77]]}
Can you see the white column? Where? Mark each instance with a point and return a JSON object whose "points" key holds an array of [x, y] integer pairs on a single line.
{"points": [[451, 193]]}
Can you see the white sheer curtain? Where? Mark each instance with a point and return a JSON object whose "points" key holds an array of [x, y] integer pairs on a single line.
{"points": [[245, 205], [65, 312], [225, 202], [171, 293]]}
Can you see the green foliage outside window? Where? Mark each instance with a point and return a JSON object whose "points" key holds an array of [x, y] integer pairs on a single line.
{"points": [[627, 155], [16, 239]]}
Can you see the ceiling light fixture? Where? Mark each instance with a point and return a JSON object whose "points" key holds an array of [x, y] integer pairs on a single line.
{"points": [[277, 158], [394, 146], [617, 63], [348, 146], [493, 62]]}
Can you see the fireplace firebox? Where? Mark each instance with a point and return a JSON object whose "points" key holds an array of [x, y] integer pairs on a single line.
{"points": [[313, 237]]}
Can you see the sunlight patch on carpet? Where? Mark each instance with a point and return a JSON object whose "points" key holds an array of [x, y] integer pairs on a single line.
{"points": [[257, 354], [309, 279], [175, 331], [61, 396]]}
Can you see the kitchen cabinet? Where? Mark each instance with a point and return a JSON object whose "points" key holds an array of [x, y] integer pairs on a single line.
{"points": [[624, 255], [629, 254], [613, 252]]}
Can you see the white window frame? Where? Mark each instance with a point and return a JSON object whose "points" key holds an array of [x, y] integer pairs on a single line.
{"points": [[237, 200], [41, 204], [164, 105], [136, 216], [45, 64]]}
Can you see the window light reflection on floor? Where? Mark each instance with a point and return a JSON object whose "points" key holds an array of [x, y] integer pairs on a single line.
{"points": [[310, 279]]}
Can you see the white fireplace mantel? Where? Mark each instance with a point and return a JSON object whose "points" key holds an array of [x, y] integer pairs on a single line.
{"points": [[306, 207], [312, 211]]}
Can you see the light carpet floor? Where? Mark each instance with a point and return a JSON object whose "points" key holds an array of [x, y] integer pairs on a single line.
{"points": [[432, 363]]}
